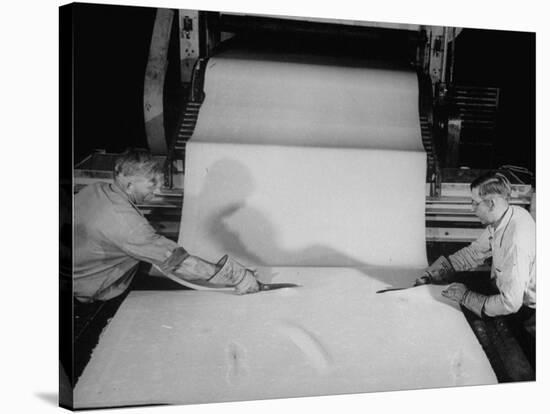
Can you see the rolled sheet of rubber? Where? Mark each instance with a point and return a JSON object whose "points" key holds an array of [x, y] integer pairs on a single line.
{"points": [[297, 163], [331, 335]]}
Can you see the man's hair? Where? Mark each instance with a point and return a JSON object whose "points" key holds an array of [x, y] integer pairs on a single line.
{"points": [[492, 183], [137, 163]]}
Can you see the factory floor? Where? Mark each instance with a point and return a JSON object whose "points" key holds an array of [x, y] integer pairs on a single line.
{"points": [[510, 351]]}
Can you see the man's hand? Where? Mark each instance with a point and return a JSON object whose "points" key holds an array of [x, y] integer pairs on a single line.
{"points": [[249, 283], [456, 292], [467, 298], [439, 272], [232, 273], [425, 279]]}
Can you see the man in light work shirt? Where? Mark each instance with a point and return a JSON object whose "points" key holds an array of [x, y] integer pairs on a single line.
{"points": [[509, 239], [111, 237]]}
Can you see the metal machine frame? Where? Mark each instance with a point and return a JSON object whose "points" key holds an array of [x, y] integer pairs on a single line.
{"points": [[447, 112]]}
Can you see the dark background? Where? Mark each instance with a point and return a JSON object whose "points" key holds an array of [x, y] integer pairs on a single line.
{"points": [[506, 60], [111, 46]]}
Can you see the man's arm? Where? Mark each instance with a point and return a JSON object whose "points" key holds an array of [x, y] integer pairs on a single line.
{"points": [[226, 272], [195, 268], [473, 255], [138, 239], [511, 280], [442, 270]]}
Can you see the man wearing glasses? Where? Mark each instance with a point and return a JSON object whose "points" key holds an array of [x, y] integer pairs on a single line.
{"points": [[509, 239]]}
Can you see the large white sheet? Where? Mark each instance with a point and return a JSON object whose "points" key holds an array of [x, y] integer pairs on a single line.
{"points": [[332, 335], [295, 163], [307, 101], [268, 205]]}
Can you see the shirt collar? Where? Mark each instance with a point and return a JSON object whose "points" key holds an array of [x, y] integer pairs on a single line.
{"points": [[503, 221], [122, 193]]}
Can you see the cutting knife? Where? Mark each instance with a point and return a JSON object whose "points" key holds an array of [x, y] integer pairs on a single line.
{"points": [[272, 286], [425, 277], [264, 287], [396, 288]]}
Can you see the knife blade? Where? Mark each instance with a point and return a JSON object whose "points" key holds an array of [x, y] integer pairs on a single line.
{"points": [[394, 289], [272, 286]]}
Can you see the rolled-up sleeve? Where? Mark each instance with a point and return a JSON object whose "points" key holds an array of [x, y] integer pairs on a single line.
{"points": [[138, 239], [511, 279], [473, 255]]}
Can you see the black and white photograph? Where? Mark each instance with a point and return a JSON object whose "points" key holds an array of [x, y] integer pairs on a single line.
{"points": [[274, 205]]}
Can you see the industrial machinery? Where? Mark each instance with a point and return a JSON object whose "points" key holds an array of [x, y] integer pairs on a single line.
{"points": [[453, 118]]}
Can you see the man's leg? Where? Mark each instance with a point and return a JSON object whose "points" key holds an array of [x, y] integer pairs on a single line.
{"points": [[523, 326]]}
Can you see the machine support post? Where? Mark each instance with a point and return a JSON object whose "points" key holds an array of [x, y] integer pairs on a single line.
{"points": [[153, 90]]}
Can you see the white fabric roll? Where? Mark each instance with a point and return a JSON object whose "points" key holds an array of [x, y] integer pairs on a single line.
{"points": [[300, 163]]}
